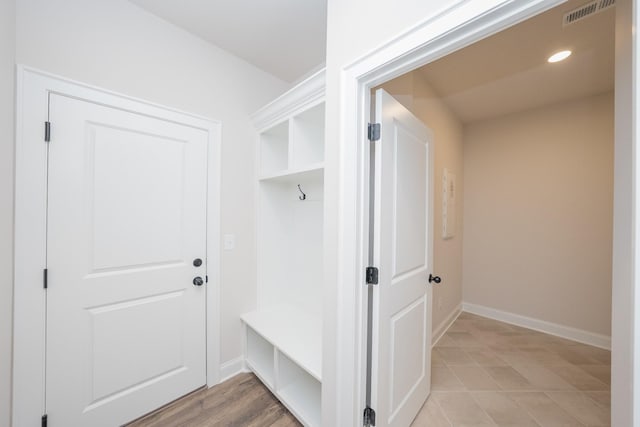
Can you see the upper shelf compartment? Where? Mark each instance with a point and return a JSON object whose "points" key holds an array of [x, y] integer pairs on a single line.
{"points": [[307, 137], [274, 149], [291, 130]]}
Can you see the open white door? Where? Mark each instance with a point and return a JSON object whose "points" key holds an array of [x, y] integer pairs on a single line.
{"points": [[401, 357], [127, 199]]}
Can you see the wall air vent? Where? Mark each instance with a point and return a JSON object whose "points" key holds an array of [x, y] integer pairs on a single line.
{"points": [[586, 10]]}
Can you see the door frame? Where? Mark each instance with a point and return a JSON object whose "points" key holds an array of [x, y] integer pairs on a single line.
{"points": [[457, 25], [29, 323]]}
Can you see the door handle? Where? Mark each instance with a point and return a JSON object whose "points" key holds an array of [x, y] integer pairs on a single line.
{"points": [[435, 279], [198, 281]]}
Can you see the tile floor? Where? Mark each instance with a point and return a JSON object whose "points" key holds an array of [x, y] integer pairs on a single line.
{"points": [[488, 373]]}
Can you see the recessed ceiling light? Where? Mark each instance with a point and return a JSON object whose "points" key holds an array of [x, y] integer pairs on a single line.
{"points": [[559, 56]]}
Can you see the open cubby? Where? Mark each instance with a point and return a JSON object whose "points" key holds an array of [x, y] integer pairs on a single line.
{"points": [[260, 357], [307, 137], [274, 149], [299, 390]]}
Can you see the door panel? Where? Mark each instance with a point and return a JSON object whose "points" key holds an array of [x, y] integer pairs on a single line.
{"points": [[408, 195], [402, 250], [122, 206], [126, 217]]}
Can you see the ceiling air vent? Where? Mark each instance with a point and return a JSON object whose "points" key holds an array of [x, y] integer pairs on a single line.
{"points": [[586, 10]]}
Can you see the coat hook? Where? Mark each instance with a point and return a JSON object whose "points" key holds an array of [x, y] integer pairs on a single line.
{"points": [[304, 196]]}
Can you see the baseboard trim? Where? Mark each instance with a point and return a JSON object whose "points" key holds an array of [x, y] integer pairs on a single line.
{"points": [[567, 332], [232, 368], [440, 330]]}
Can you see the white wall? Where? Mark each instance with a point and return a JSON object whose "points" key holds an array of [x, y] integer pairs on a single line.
{"points": [[538, 213], [116, 45], [7, 61], [415, 94]]}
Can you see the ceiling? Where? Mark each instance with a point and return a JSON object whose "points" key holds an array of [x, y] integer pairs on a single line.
{"points": [[286, 38], [508, 72]]}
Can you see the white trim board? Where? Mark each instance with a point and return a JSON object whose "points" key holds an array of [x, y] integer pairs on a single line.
{"points": [[29, 326], [232, 368], [442, 328], [567, 332]]}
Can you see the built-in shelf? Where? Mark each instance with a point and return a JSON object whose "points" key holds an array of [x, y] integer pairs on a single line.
{"points": [[283, 338], [292, 174]]}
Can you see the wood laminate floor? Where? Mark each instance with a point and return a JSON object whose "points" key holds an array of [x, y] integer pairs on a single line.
{"points": [[242, 401]]}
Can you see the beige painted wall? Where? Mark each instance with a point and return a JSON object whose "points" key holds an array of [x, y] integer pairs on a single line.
{"points": [[119, 46], [7, 63], [538, 197], [415, 93]]}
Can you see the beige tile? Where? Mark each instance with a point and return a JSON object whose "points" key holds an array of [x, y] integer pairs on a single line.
{"points": [[542, 378], [570, 355], [503, 410], [431, 416], [516, 357], [508, 378], [601, 372], [544, 410], [445, 341], [443, 379], [475, 378], [601, 356], [579, 378], [465, 339], [461, 409], [485, 357], [454, 356], [476, 354], [486, 338], [436, 359], [581, 407], [543, 356]]}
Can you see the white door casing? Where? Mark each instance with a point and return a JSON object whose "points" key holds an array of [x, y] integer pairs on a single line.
{"points": [[126, 218], [403, 233], [134, 263]]}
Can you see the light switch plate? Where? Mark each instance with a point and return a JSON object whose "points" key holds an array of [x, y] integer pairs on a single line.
{"points": [[229, 242]]}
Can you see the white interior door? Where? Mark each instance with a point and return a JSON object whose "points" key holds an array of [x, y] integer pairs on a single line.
{"points": [[401, 358], [126, 219]]}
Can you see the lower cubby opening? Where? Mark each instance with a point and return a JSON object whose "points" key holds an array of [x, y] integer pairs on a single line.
{"points": [[299, 391], [260, 357]]}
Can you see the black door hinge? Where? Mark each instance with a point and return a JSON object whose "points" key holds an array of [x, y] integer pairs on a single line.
{"points": [[45, 278], [206, 279], [372, 275], [44, 420], [373, 131], [369, 417], [47, 131]]}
